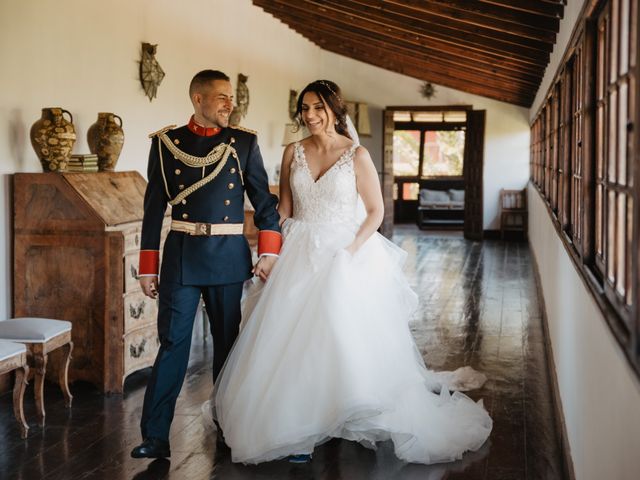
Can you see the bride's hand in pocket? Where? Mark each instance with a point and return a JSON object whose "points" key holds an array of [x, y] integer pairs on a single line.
{"points": [[351, 249]]}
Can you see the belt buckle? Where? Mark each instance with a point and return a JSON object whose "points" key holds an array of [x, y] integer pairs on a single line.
{"points": [[203, 229]]}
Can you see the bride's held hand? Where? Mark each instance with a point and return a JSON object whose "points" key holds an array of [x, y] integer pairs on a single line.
{"points": [[282, 220], [264, 266]]}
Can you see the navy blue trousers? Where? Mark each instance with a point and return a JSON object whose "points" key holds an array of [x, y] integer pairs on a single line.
{"points": [[177, 310]]}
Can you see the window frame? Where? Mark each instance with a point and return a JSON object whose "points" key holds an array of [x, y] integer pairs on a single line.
{"points": [[585, 161]]}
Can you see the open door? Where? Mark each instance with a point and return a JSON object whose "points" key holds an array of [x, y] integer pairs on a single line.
{"points": [[387, 175], [473, 168]]}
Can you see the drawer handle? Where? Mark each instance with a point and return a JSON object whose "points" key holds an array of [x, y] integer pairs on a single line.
{"points": [[136, 312], [137, 240], [137, 351], [134, 272]]}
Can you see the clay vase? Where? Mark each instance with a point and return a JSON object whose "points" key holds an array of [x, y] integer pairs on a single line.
{"points": [[52, 137], [105, 139]]}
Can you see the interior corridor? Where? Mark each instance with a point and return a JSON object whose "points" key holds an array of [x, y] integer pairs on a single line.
{"points": [[479, 307]]}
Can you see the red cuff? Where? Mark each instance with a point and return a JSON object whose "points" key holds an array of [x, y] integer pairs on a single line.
{"points": [[149, 261], [269, 241]]}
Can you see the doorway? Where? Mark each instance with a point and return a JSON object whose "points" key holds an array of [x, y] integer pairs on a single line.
{"points": [[432, 169]]}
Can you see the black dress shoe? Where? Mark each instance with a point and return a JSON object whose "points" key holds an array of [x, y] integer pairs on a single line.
{"points": [[152, 448]]}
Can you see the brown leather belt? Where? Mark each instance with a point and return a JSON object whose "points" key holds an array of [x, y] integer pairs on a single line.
{"points": [[206, 229]]}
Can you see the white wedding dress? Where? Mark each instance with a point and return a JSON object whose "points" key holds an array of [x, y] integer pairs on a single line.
{"points": [[325, 348]]}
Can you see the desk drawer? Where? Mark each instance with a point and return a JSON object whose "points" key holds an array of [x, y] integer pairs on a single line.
{"points": [[139, 310]]}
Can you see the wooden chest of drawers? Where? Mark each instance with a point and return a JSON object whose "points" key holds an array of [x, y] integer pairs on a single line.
{"points": [[76, 241]]}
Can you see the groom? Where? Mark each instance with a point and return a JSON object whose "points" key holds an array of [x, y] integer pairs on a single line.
{"points": [[202, 170]]}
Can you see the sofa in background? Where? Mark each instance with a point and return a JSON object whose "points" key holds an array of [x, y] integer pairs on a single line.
{"points": [[441, 208]]}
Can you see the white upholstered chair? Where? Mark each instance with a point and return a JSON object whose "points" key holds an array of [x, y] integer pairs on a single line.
{"points": [[13, 357], [41, 336]]}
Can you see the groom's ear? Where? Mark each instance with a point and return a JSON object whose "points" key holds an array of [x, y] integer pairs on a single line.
{"points": [[196, 98]]}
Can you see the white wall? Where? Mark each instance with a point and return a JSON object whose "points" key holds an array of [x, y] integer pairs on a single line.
{"points": [[82, 55], [599, 392]]}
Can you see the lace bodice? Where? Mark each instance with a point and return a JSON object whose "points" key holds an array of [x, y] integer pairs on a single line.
{"points": [[332, 198]]}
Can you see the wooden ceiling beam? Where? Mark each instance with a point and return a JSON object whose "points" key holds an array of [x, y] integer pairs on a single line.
{"points": [[471, 23], [413, 67], [281, 7], [410, 70], [468, 71], [486, 10], [481, 62], [553, 9]]}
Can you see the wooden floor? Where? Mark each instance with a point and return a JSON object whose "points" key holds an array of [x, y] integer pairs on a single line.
{"points": [[479, 307]]}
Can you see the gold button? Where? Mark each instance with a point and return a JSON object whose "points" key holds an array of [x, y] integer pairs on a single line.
{"points": [[233, 170], [178, 172], [230, 186], [176, 141], [185, 215], [226, 219], [181, 187], [184, 201], [227, 202]]}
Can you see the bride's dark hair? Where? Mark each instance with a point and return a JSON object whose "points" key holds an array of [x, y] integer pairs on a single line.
{"points": [[331, 96]]}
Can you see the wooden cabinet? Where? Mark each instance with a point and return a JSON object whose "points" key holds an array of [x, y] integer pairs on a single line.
{"points": [[76, 241]]}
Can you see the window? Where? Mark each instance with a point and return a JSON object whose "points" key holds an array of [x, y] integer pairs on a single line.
{"points": [[614, 208], [406, 152], [443, 153], [584, 145], [574, 228]]}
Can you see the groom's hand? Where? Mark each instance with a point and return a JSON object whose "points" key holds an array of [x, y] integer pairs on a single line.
{"points": [[149, 285], [264, 266]]}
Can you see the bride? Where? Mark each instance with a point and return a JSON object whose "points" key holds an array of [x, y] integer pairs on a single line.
{"points": [[325, 349]]}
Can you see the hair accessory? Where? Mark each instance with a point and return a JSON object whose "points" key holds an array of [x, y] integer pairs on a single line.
{"points": [[322, 82]]}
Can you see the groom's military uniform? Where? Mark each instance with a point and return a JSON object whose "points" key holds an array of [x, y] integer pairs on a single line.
{"points": [[203, 173]]}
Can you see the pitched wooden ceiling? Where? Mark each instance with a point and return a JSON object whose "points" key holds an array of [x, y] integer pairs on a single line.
{"points": [[494, 48]]}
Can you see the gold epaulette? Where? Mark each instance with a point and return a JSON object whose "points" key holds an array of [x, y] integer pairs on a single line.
{"points": [[244, 129], [162, 130]]}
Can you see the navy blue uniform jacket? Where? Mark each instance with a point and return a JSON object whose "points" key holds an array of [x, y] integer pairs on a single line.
{"points": [[202, 260]]}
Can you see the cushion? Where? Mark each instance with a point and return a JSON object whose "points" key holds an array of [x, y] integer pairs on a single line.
{"points": [[10, 349], [430, 196], [456, 195], [434, 205], [32, 330]]}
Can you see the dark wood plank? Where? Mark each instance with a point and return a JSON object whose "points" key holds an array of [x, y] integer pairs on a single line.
{"points": [[400, 63], [405, 17], [312, 16]]}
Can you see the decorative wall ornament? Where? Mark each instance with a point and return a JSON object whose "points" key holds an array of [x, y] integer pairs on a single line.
{"points": [[53, 137], [293, 103], [427, 90], [242, 101], [151, 74], [359, 113], [105, 139]]}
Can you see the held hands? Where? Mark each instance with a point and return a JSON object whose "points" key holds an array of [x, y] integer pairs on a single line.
{"points": [[149, 286], [264, 266]]}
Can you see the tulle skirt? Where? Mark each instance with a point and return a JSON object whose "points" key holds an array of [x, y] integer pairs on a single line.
{"points": [[325, 351]]}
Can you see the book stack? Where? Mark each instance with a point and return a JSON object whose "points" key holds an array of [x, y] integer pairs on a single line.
{"points": [[86, 162]]}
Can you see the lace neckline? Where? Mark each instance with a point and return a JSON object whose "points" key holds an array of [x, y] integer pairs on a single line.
{"points": [[346, 155]]}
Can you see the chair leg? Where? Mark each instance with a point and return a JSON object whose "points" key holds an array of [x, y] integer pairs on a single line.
{"points": [[40, 361], [18, 398], [63, 374]]}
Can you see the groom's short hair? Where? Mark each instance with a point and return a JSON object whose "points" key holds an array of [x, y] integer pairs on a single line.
{"points": [[204, 78]]}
